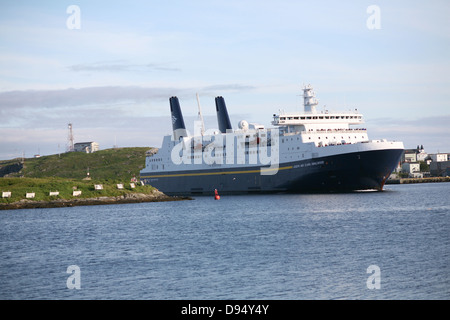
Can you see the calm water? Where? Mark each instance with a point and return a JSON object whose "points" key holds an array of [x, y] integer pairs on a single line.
{"points": [[240, 247]]}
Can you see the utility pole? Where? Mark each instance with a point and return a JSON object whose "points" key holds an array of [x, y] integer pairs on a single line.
{"points": [[70, 145]]}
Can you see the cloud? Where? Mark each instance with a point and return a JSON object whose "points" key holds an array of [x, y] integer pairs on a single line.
{"points": [[437, 122], [92, 96], [119, 66], [432, 132], [82, 96]]}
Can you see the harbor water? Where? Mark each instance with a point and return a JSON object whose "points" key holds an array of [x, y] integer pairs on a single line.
{"points": [[393, 244]]}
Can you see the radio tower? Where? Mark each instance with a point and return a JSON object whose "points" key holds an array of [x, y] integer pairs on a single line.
{"points": [[70, 146]]}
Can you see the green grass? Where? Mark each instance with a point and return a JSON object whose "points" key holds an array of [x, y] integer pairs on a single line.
{"points": [[42, 186], [122, 164]]}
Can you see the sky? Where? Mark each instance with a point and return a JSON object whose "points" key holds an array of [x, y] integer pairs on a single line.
{"points": [[110, 67]]}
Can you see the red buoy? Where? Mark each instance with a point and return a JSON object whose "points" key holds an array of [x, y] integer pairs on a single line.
{"points": [[216, 195]]}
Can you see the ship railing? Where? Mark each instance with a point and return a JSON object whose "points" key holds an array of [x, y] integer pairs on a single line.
{"points": [[335, 130]]}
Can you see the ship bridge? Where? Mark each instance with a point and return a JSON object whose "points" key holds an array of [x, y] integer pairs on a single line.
{"points": [[323, 128], [318, 119]]}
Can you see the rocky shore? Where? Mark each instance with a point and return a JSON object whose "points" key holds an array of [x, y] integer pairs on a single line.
{"points": [[155, 196]]}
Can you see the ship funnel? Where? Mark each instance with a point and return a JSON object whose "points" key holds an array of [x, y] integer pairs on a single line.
{"points": [[179, 129], [222, 115]]}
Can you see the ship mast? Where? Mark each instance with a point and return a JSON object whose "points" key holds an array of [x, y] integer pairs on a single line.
{"points": [[309, 99], [200, 115]]}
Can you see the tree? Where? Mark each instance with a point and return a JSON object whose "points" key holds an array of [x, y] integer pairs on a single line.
{"points": [[424, 167]]}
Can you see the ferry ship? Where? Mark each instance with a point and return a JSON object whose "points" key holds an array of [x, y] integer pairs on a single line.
{"points": [[308, 151]]}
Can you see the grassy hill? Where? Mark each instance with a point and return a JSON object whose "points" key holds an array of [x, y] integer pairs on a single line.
{"points": [[67, 172], [111, 164]]}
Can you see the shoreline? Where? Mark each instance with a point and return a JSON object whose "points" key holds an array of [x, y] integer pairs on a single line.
{"points": [[418, 180], [104, 200]]}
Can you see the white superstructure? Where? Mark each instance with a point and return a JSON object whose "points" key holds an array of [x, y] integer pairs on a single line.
{"points": [[321, 128]]}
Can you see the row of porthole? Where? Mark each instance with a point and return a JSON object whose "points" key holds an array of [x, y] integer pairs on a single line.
{"points": [[319, 138]]}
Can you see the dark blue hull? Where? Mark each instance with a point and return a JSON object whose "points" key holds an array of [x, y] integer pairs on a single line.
{"points": [[337, 173]]}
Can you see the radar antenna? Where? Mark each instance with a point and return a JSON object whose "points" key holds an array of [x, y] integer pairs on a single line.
{"points": [[309, 99]]}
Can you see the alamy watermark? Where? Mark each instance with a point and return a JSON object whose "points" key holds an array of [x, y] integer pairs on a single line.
{"points": [[374, 280], [74, 20], [374, 20], [74, 280], [254, 147]]}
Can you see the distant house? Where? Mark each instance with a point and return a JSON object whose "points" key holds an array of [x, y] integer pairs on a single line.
{"points": [[439, 157], [413, 169], [421, 155], [414, 155], [88, 147], [410, 155]]}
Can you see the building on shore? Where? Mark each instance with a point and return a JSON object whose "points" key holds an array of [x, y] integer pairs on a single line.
{"points": [[439, 157], [440, 168], [88, 147], [415, 164], [413, 169], [414, 155]]}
